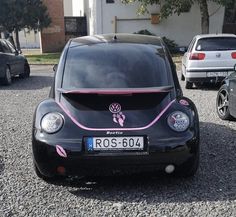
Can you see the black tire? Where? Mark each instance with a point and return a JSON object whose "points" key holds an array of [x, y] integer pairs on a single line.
{"points": [[7, 80], [222, 103], [188, 85], [198, 84], [26, 73], [182, 78]]}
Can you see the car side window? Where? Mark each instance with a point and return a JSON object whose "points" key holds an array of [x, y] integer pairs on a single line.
{"points": [[5, 47], [13, 50], [1, 49], [191, 45]]}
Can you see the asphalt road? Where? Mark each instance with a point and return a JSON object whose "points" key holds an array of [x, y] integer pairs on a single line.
{"points": [[212, 192]]}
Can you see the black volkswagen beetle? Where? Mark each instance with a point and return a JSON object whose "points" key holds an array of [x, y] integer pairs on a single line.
{"points": [[226, 98], [116, 105], [12, 63]]}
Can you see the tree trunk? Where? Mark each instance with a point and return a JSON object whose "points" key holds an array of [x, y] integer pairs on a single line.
{"points": [[17, 39], [205, 21]]}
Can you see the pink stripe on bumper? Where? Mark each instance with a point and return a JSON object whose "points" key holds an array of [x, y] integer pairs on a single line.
{"points": [[114, 129]]}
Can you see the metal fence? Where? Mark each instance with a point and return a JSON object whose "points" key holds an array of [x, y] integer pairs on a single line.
{"points": [[75, 26], [229, 28]]}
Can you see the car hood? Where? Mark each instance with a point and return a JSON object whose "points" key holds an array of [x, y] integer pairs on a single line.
{"points": [[116, 109]]}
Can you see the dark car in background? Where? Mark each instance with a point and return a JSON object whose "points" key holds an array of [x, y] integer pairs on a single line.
{"points": [[116, 105], [12, 63], [226, 98]]}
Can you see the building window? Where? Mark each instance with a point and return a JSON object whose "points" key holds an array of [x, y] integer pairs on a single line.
{"points": [[110, 1]]}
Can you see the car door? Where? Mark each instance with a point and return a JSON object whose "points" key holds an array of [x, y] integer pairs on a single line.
{"points": [[9, 57], [2, 56], [186, 55], [232, 94], [19, 60]]}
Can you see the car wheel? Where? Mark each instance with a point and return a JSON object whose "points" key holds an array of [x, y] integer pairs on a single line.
{"points": [[41, 176], [222, 103], [7, 80], [182, 77], [188, 85], [26, 73]]}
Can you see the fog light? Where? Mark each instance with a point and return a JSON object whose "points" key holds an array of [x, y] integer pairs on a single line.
{"points": [[170, 169], [61, 170]]}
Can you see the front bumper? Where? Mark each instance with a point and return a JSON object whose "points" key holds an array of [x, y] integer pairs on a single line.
{"points": [[80, 162]]}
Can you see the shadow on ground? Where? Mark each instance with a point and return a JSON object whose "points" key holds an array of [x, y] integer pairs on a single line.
{"points": [[206, 87], [215, 180]]}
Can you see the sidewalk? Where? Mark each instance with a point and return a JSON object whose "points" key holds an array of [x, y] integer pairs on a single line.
{"points": [[31, 51]]}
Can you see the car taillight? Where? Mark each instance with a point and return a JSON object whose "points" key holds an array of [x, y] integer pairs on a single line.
{"points": [[52, 122], [233, 55], [178, 121], [197, 56]]}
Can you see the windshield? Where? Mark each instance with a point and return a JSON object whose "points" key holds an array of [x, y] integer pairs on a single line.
{"points": [[115, 65], [216, 43]]}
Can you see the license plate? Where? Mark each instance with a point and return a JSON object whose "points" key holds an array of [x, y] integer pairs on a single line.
{"points": [[115, 143], [217, 74]]}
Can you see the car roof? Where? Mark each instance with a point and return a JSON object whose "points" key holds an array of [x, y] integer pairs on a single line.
{"points": [[117, 37], [214, 35]]}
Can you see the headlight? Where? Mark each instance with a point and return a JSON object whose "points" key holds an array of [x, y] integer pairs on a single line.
{"points": [[52, 122], [178, 121]]}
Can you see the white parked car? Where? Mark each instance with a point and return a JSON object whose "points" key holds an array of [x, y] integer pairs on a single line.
{"points": [[209, 58]]}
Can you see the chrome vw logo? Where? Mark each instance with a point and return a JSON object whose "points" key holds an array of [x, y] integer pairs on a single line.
{"points": [[218, 55], [115, 108]]}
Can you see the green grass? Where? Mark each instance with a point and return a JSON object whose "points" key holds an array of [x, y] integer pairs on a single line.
{"points": [[47, 58]]}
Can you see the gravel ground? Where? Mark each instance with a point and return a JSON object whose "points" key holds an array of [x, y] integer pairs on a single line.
{"points": [[212, 192]]}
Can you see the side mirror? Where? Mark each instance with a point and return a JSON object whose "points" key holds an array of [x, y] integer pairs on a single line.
{"points": [[55, 67]]}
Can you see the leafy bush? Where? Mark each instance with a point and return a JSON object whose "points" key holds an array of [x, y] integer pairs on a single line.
{"points": [[172, 46], [144, 32]]}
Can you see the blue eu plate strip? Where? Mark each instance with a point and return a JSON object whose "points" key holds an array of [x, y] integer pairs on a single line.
{"points": [[90, 144]]}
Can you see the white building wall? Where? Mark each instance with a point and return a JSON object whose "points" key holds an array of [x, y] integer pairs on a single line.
{"points": [[87, 13], [78, 8], [93, 13], [29, 39], [73, 8], [181, 28], [68, 9]]}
